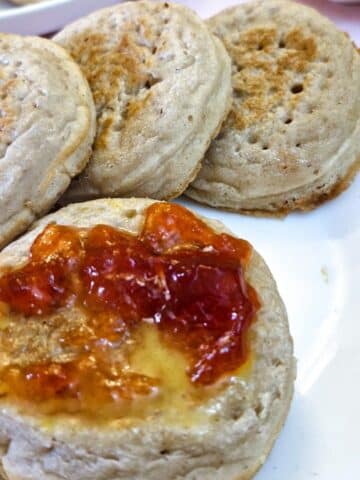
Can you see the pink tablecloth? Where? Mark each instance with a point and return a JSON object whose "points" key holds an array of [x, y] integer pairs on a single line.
{"points": [[347, 17]]}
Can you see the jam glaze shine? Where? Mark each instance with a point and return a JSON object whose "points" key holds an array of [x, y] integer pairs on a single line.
{"points": [[99, 318]]}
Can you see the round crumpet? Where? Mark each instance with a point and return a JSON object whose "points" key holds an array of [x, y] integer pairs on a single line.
{"points": [[292, 139], [162, 87], [47, 126], [155, 346]]}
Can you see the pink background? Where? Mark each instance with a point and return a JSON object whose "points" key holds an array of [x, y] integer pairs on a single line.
{"points": [[347, 17]]}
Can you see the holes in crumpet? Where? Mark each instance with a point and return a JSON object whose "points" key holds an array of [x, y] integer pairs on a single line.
{"points": [[130, 213], [297, 88]]}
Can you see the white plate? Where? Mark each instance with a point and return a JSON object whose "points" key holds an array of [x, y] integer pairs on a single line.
{"points": [[315, 258], [45, 17]]}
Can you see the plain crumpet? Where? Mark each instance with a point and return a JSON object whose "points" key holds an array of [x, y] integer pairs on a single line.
{"points": [[124, 406], [162, 87], [292, 139], [47, 126]]}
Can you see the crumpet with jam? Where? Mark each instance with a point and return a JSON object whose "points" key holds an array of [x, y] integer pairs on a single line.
{"points": [[138, 340]]}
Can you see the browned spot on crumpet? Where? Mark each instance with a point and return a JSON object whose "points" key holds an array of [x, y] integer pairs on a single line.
{"points": [[263, 72], [299, 52], [332, 191], [136, 105], [113, 69], [104, 67], [103, 129], [133, 109], [305, 204]]}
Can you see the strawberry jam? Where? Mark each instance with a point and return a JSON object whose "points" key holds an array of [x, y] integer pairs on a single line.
{"points": [[178, 275]]}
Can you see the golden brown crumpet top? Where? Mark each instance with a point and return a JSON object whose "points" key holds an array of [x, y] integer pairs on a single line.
{"points": [[139, 341], [292, 138], [161, 84], [47, 125]]}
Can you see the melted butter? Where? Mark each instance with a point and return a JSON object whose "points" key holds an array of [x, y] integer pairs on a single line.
{"points": [[176, 399], [4, 322], [244, 371], [154, 358], [4, 316]]}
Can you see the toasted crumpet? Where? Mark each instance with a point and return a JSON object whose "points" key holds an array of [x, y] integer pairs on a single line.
{"points": [[47, 126], [292, 139], [161, 84]]}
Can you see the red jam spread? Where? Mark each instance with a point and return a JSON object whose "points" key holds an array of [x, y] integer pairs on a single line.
{"points": [[178, 275]]}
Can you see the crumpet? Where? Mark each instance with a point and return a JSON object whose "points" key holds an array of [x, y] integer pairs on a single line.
{"points": [[292, 139], [47, 126], [161, 84], [163, 352]]}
